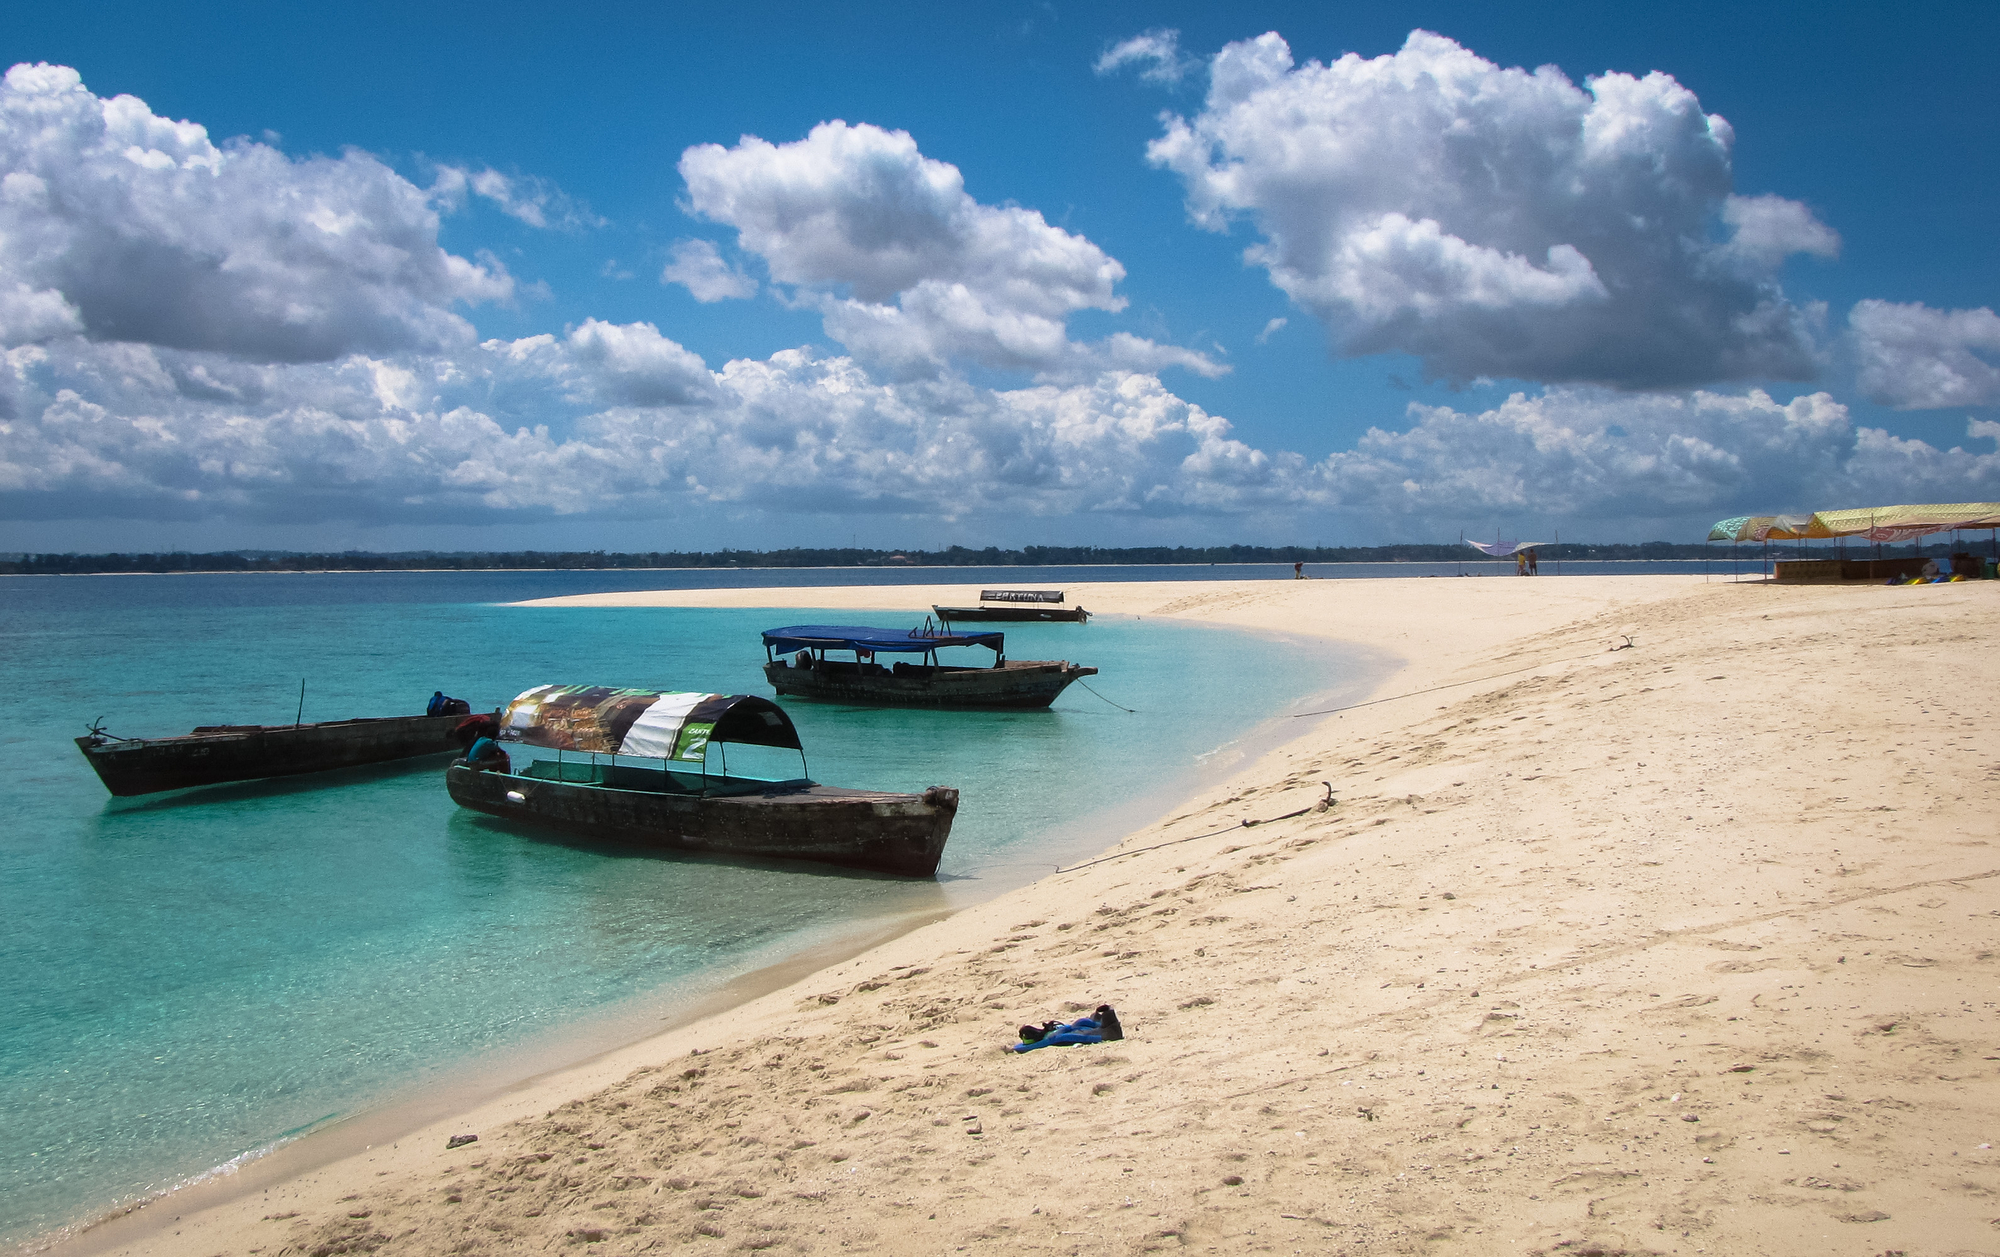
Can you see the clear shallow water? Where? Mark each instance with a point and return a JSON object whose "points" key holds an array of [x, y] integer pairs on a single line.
{"points": [[192, 977]]}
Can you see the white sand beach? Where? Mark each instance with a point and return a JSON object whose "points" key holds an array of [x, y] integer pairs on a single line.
{"points": [[1654, 915]]}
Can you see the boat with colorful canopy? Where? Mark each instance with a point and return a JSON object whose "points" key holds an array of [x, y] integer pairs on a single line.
{"points": [[798, 666], [635, 766]]}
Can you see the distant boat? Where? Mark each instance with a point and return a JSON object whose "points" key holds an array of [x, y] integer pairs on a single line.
{"points": [[1016, 615], [213, 754], [647, 780], [1009, 683], [1016, 605]]}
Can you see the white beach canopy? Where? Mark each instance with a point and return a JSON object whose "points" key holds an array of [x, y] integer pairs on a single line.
{"points": [[1501, 549]]}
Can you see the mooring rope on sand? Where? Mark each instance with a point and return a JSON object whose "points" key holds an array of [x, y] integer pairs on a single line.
{"points": [[1246, 823], [1329, 801], [1452, 685]]}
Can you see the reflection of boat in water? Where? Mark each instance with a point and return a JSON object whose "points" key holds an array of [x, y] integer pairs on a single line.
{"points": [[217, 753], [1009, 683], [1016, 605], [648, 781]]}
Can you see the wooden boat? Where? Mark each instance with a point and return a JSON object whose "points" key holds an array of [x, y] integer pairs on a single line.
{"points": [[646, 780], [1009, 683], [1017, 605], [213, 754]]}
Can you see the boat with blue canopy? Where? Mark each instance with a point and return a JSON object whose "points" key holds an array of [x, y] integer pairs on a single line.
{"points": [[805, 661], [650, 767]]}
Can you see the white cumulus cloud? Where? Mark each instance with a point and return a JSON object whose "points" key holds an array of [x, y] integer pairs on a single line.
{"points": [[1594, 455], [197, 331], [139, 228], [1913, 357], [530, 199], [632, 364], [1768, 229], [909, 271], [1157, 51], [619, 421], [608, 420], [1499, 222], [28, 315], [698, 266]]}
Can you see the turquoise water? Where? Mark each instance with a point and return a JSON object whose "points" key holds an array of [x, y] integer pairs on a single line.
{"points": [[191, 977]]}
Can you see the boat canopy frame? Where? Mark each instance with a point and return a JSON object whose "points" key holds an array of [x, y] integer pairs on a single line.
{"points": [[674, 727], [865, 641]]}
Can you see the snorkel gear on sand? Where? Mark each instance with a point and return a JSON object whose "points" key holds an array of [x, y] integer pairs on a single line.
{"points": [[1102, 1027]]}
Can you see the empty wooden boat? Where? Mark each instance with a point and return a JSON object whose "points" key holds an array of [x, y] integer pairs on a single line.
{"points": [[213, 754]]}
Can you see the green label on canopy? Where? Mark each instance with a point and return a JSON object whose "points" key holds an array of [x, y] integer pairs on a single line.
{"points": [[694, 739]]}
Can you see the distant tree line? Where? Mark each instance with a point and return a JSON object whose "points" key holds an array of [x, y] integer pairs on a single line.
{"points": [[955, 556]]}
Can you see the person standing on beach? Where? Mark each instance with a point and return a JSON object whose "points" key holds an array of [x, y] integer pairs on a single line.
{"points": [[1534, 564], [1520, 562]]}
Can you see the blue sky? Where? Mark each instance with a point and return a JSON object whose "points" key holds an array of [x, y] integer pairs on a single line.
{"points": [[447, 287]]}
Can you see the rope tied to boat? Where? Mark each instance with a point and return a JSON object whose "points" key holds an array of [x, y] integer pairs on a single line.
{"points": [[1121, 707]]}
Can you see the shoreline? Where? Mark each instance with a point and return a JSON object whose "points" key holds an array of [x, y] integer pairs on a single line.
{"points": [[1587, 972], [497, 1074], [473, 1085], [336, 1141]]}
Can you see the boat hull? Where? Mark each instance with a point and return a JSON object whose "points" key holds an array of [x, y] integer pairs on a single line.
{"points": [[1013, 685], [219, 754], [864, 829], [1020, 614]]}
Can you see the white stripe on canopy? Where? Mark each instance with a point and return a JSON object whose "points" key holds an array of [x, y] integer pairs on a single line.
{"points": [[658, 728]]}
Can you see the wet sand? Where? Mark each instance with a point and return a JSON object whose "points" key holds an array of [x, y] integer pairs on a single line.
{"points": [[1684, 945]]}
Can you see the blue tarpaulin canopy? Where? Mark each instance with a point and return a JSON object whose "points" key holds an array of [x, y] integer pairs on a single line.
{"points": [[881, 640]]}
